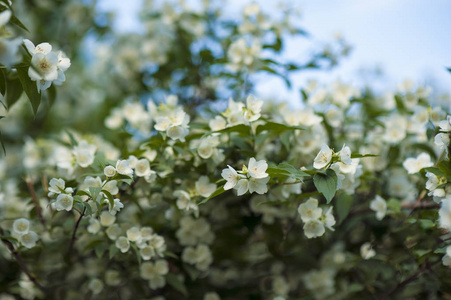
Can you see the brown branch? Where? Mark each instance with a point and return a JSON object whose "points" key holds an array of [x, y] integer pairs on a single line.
{"points": [[21, 262], [424, 267], [35, 199], [72, 241]]}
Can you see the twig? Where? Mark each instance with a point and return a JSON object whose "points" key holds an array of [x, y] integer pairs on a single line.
{"points": [[35, 199], [424, 267], [21, 262], [72, 241]]}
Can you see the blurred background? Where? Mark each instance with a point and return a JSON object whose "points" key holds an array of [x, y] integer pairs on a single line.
{"points": [[391, 40]]}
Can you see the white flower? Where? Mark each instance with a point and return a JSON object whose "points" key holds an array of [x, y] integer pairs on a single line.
{"points": [[329, 219], [254, 108], [109, 171], [56, 186], [134, 234], [107, 219], [123, 168], [154, 272], [207, 146], [442, 140], [366, 251], [116, 207], [379, 206], [184, 201], [94, 226], [313, 229], [258, 185], [147, 252], [242, 187], [445, 125], [231, 176], [323, 158], [64, 202], [43, 48], [257, 169], [142, 168], [217, 123], [345, 155], [84, 153], [445, 213], [414, 165], [309, 210], [21, 226], [204, 187], [96, 286], [4, 17], [123, 244], [111, 187], [43, 67], [29, 239]]}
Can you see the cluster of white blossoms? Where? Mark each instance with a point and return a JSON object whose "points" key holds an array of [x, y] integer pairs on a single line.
{"points": [[238, 113], [320, 282], [435, 186], [252, 178], [194, 231], [379, 205], [155, 272], [84, 153], [324, 158], [149, 243], [47, 66], [64, 198], [132, 165], [315, 218], [21, 231], [199, 256], [242, 55], [170, 118], [443, 137]]}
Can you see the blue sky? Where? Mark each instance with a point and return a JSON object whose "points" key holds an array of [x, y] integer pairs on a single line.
{"points": [[406, 39]]}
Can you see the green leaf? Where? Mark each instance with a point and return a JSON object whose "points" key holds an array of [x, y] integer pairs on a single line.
{"points": [[445, 167], [30, 88], [110, 197], [95, 191], [240, 128], [3, 82], [113, 250], [326, 184], [176, 283], [100, 250], [14, 20], [9, 238], [357, 155], [285, 170], [13, 91], [88, 211], [343, 206], [3, 143], [51, 95], [73, 141], [426, 223], [218, 192], [434, 170], [123, 178]]}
